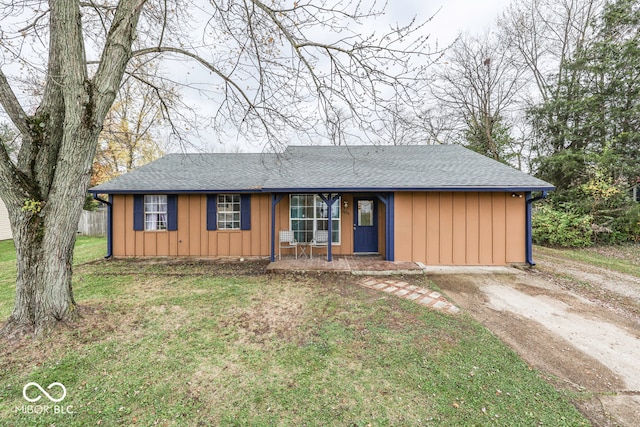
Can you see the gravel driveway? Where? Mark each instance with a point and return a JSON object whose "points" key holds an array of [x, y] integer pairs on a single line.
{"points": [[578, 324]]}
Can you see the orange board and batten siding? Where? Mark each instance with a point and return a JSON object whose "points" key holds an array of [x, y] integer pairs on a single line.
{"points": [[456, 228], [193, 239], [436, 228]]}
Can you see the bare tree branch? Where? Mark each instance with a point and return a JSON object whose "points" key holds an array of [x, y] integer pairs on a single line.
{"points": [[116, 54], [12, 106]]}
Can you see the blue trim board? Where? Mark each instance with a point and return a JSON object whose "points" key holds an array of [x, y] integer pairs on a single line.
{"points": [[165, 191], [329, 190], [405, 189], [389, 239]]}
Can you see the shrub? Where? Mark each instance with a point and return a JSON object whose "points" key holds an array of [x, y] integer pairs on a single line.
{"points": [[627, 225], [561, 227]]}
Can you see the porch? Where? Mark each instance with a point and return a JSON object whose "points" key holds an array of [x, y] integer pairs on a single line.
{"points": [[358, 264], [357, 222]]}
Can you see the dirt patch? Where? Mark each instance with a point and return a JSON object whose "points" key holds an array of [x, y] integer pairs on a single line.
{"points": [[276, 315], [566, 331], [92, 323], [180, 267]]}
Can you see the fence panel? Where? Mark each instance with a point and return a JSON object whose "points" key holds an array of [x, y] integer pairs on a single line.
{"points": [[93, 223]]}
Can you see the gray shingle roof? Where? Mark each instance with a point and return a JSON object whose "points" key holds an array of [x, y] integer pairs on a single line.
{"points": [[194, 172], [428, 167]]}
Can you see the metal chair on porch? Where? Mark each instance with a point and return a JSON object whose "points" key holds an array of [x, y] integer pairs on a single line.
{"points": [[321, 240], [287, 241]]}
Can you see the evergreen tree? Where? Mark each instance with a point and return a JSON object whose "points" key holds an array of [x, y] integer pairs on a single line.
{"points": [[599, 111], [591, 132]]}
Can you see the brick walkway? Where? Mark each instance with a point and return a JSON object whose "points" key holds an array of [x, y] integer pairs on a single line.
{"points": [[423, 296]]}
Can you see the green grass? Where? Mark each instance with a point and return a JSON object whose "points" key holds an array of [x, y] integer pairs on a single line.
{"points": [[214, 344], [598, 257]]}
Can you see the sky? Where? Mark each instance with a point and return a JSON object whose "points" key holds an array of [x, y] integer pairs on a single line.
{"points": [[452, 17]]}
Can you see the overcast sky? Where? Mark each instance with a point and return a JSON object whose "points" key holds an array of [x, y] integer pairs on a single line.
{"points": [[454, 17]]}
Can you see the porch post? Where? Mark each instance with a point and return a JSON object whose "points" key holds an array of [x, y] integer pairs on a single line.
{"points": [[275, 199], [388, 225], [390, 215], [329, 201]]}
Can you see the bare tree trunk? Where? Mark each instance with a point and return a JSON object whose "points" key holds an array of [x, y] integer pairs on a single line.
{"points": [[45, 234], [45, 189], [44, 294]]}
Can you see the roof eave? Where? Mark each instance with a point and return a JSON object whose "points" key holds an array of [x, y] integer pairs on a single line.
{"points": [[499, 189], [494, 189], [173, 191]]}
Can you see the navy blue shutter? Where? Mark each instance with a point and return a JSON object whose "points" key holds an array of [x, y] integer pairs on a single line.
{"points": [[172, 212], [212, 217], [245, 212], [138, 212]]}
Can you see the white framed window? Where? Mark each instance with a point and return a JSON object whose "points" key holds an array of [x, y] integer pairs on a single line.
{"points": [[155, 212], [228, 211], [308, 213]]}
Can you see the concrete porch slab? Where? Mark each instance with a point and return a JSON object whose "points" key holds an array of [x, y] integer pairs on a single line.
{"points": [[365, 265]]}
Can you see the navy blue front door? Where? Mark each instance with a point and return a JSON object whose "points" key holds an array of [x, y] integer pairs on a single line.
{"points": [[365, 226]]}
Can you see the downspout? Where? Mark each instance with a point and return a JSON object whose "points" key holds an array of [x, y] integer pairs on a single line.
{"points": [[109, 224], [529, 231]]}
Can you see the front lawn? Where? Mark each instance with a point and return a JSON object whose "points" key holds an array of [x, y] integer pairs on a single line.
{"points": [[218, 343]]}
